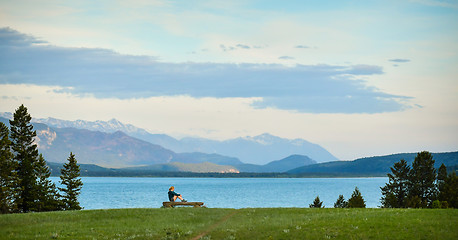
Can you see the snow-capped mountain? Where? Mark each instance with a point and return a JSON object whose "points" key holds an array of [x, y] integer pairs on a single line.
{"points": [[110, 126], [260, 149]]}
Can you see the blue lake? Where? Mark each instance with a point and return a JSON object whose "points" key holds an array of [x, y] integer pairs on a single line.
{"points": [[130, 192]]}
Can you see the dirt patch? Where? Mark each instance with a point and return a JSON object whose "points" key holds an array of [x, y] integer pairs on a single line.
{"points": [[209, 229]]}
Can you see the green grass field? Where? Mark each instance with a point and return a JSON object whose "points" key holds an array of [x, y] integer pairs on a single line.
{"points": [[255, 223]]}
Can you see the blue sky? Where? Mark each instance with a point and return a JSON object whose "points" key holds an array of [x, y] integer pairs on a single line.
{"points": [[360, 78]]}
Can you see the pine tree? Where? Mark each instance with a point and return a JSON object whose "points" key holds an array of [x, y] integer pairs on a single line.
{"points": [[341, 203], [316, 203], [73, 184], [441, 173], [26, 156], [48, 197], [396, 190], [356, 200], [422, 189], [8, 177], [449, 190], [441, 178]]}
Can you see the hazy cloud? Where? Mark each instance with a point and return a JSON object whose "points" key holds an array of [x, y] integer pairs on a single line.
{"points": [[399, 60], [238, 46], [15, 98], [243, 46], [302, 46], [224, 48], [363, 69], [286, 58], [104, 73]]}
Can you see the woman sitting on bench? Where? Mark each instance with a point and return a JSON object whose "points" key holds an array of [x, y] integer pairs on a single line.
{"points": [[173, 195]]}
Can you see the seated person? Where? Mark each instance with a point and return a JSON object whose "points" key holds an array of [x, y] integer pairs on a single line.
{"points": [[173, 195]]}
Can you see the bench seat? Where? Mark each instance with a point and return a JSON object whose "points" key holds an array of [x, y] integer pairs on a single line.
{"points": [[173, 204]]}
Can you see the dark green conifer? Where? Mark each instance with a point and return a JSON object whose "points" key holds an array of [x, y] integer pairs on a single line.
{"points": [[26, 156], [422, 181], [341, 203], [8, 177], [441, 173], [48, 197], [396, 190], [356, 200], [316, 203], [449, 191], [73, 184]]}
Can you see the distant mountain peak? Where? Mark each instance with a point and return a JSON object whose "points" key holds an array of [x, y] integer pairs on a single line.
{"points": [[266, 135], [109, 126], [6, 115], [264, 139], [115, 121]]}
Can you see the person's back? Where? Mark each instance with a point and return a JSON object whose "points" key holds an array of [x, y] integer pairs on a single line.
{"points": [[171, 195]]}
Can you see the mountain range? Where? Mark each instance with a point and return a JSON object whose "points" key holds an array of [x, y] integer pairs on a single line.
{"points": [[119, 150], [104, 149], [255, 150]]}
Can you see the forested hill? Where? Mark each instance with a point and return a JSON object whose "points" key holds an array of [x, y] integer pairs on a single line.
{"points": [[364, 167], [379, 165]]}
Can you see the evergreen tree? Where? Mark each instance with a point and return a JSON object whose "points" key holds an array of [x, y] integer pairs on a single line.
{"points": [[356, 200], [396, 190], [25, 155], [316, 203], [422, 189], [341, 203], [441, 173], [73, 184], [449, 190], [48, 197], [441, 176], [8, 179]]}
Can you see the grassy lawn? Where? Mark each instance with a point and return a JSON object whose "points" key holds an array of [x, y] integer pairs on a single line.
{"points": [[256, 223]]}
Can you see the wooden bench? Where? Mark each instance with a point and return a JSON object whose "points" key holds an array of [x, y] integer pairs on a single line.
{"points": [[173, 204]]}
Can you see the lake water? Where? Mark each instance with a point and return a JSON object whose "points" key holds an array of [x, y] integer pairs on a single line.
{"points": [[131, 192]]}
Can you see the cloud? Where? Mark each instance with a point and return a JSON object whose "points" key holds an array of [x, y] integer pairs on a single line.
{"points": [[238, 46], [224, 48], [107, 74], [399, 60], [286, 58], [243, 46], [363, 69], [10, 38], [302, 46]]}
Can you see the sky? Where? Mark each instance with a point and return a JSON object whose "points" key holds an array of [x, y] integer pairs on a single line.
{"points": [[359, 78]]}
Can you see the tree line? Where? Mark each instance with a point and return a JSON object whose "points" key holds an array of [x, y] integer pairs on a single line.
{"points": [[355, 201], [24, 176], [420, 185]]}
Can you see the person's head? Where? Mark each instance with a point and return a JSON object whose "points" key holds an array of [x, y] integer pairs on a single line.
{"points": [[171, 188]]}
